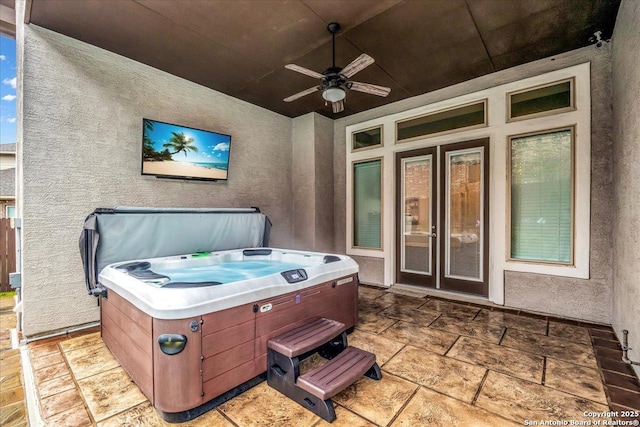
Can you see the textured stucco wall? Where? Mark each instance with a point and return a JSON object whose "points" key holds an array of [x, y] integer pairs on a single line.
{"points": [[590, 299], [312, 186], [303, 186], [626, 175], [323, 226], [81, 145]]}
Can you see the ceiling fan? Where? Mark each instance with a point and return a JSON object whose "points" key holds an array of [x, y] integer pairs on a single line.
{"points": [[334, 80]]}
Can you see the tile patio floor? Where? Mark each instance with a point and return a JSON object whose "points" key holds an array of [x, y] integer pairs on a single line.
{"points": [[443, 363]]}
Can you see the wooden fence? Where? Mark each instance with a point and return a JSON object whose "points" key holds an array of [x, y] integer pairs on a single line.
{"points": [[7, 253]]}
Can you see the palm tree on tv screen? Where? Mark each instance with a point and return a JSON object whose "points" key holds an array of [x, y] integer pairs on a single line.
{"points": [[179, 142]]}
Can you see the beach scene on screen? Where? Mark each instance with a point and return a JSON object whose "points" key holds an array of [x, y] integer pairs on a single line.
{"points": [[179, 151]]}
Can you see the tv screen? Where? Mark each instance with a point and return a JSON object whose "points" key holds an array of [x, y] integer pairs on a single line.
{"points": [[173, 151]]}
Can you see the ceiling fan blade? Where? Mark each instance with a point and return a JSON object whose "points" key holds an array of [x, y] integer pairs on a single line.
{"points": [[306, 71], [358, 64], [369, 88], [337, 106], [301, 94]]}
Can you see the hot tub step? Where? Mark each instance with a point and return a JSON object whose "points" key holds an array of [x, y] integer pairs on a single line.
{"points": [[306, 337], [339, 373]]}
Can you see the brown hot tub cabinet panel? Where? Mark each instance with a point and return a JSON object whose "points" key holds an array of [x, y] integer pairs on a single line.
{"points": [[225, 350], [127, 332], [177, 378]]}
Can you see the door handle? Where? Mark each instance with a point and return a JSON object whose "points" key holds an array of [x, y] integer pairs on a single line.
{"points": [[434, 235]]}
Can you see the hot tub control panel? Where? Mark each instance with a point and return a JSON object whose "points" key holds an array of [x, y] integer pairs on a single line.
{"points": [[294, 276]]}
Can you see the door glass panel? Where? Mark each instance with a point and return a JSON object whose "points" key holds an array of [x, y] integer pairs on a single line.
{"points": [[416, 227], [464, 195]]}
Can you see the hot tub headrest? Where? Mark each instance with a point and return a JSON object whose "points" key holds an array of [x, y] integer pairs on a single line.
{"points": [[121, 234]]}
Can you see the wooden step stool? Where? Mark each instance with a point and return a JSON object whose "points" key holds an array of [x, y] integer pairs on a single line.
{"points": [[315, 389]]}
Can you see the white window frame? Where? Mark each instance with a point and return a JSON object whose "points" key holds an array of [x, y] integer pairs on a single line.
{"points": [[498, 130]]}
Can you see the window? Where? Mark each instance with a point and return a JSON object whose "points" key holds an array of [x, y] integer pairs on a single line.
{"points": [[367, 204], [541, 192], [11, 212], [550, 99], [368, 138], [464, 117]]}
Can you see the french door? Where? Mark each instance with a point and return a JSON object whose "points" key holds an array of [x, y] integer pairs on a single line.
{"points": [[442, 206]]}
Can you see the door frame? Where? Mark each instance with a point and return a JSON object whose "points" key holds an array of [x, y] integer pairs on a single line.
{"points": [[454, 284], [406, 277]]}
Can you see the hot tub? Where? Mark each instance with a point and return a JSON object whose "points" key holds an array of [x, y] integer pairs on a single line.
{"points": [[191, 330]]}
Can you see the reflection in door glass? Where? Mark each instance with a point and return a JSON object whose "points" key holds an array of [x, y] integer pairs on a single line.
{"points": [[464, 214], [416, 236]]}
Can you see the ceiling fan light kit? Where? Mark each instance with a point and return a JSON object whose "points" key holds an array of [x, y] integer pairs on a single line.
{"points": [[335, 80], [334, 94]]}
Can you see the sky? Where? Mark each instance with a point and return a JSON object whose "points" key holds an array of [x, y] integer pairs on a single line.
{"points": [[212, 147], [8, 72]]}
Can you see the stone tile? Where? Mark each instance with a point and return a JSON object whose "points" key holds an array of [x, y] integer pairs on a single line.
{"points": [[144, 415], [498, 358], [421, 336], [484, 331], [372, 306], [55, 386], [521, 400], [13, 415], [43, 350], [73, 417], [443, 374], [428, 408], [87, 361], [48, 360], [377, 401], [374, 323], [623, 381], [616, 366], [382, 347], [607, 353], [53, 340], [409, 301], [370, 293], [607, 335], [311, 362], [569, 332], [50, 372], [509, 320], [345, 418], [81, 341], [575, 379], [84, 332], [607, 343], [11, 395], [558, 348], [109, 393], [7, 303], [7, 354], [624, 397], [10, 381], [626, 411], [60, 402], [11, 366], [451, 309], [410, 314], [264, 406]]}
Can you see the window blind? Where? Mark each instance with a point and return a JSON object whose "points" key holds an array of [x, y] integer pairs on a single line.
{"points": [[541, 197]]}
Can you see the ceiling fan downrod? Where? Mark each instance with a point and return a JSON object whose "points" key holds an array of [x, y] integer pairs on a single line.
{"points": [[333, 28]]}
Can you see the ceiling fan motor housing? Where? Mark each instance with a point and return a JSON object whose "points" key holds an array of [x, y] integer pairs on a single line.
{"points": [[333, 78]]}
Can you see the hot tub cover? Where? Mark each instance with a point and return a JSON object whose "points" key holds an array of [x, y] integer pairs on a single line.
{"points": [[119, 234]]}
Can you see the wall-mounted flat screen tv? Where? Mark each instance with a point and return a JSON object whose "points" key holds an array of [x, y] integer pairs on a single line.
{"points": [[173, 151]]}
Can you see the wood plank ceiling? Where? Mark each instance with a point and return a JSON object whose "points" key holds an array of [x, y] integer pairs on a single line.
{"points": [[240, 47]]}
